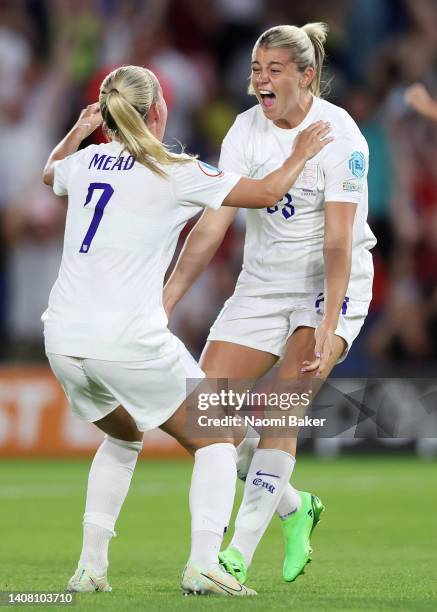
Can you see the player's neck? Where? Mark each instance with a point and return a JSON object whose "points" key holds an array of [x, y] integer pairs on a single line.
{"points": [[298, 113]]}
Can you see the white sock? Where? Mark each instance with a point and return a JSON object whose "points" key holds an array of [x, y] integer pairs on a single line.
{"points": [[290, 500], [245, 450], [289, 503], [95, 548], [211, 499], [108, 483], [266, 480]]}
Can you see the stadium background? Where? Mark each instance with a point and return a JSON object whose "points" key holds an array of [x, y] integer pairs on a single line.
{"points": [[53, 55], [376, 549]]}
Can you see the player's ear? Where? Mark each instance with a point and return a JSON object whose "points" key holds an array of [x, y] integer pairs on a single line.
{"points": [[307, 77], [154, 115]]}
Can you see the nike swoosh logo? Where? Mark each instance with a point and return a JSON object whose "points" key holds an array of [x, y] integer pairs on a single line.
{"points": [[259, 473], [95, 585], [224, 587]]}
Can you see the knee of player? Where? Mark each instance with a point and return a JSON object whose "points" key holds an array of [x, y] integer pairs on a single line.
{"points": [[195, 445], [135, 445], [295, 385]]}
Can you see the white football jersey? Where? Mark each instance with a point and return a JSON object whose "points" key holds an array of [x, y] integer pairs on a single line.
{"points": [[122, 226], [284, 243]]}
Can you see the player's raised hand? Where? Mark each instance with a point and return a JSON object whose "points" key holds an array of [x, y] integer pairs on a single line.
{"points": [[313, 139], [89, 120], [324, 336], [418, 98]]}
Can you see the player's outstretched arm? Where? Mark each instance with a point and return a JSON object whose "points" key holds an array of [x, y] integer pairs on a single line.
{"points": [[89, 120], [337, 255], [199, 248], [417, 97], [261, 193]]}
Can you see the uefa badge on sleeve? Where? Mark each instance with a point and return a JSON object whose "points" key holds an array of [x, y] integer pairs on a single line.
{"points": [[357, 164]]}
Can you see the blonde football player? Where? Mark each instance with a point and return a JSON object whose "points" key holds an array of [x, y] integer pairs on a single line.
{"points": [[306, 282]]}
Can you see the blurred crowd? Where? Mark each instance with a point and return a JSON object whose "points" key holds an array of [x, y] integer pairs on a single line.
{"points": [[53, 56]]}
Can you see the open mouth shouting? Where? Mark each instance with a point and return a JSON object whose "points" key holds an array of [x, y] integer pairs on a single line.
{"points": [[268, 99]]}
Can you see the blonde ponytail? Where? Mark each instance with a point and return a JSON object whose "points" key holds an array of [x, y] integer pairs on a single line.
{"points": [[126, 96], [317, 33], [306, 46]]}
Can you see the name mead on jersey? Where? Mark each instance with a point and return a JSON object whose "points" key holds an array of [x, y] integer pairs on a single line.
{"points": [[110, 162]]}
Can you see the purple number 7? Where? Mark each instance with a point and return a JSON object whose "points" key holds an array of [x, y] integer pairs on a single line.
{"points": [[98, 212]]}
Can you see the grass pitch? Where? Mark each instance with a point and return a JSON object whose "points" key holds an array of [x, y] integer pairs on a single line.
{"points": [[375, 549]]}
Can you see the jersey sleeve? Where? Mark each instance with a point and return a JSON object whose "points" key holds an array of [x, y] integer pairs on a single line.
{"points": [[232, 154], [199, 184], [345, 168], [62, 169]]}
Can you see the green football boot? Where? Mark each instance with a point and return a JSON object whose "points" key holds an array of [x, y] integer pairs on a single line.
{"points": [[297, 532], [233, 562]]}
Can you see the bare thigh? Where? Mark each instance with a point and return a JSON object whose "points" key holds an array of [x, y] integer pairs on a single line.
{"points": [[229, 360], [237, 363], [219, 360], [180, 426], [289, 378], [120, 425]]}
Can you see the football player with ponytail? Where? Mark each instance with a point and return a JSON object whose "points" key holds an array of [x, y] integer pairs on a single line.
{"points": [[306, 283]]}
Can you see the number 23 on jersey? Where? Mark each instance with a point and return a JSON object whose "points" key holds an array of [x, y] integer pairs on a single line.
{"points": [[287, 209]]}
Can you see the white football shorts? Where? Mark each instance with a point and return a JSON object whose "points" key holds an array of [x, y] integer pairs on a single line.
{"points": [[266, 322], [151, 390]]}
